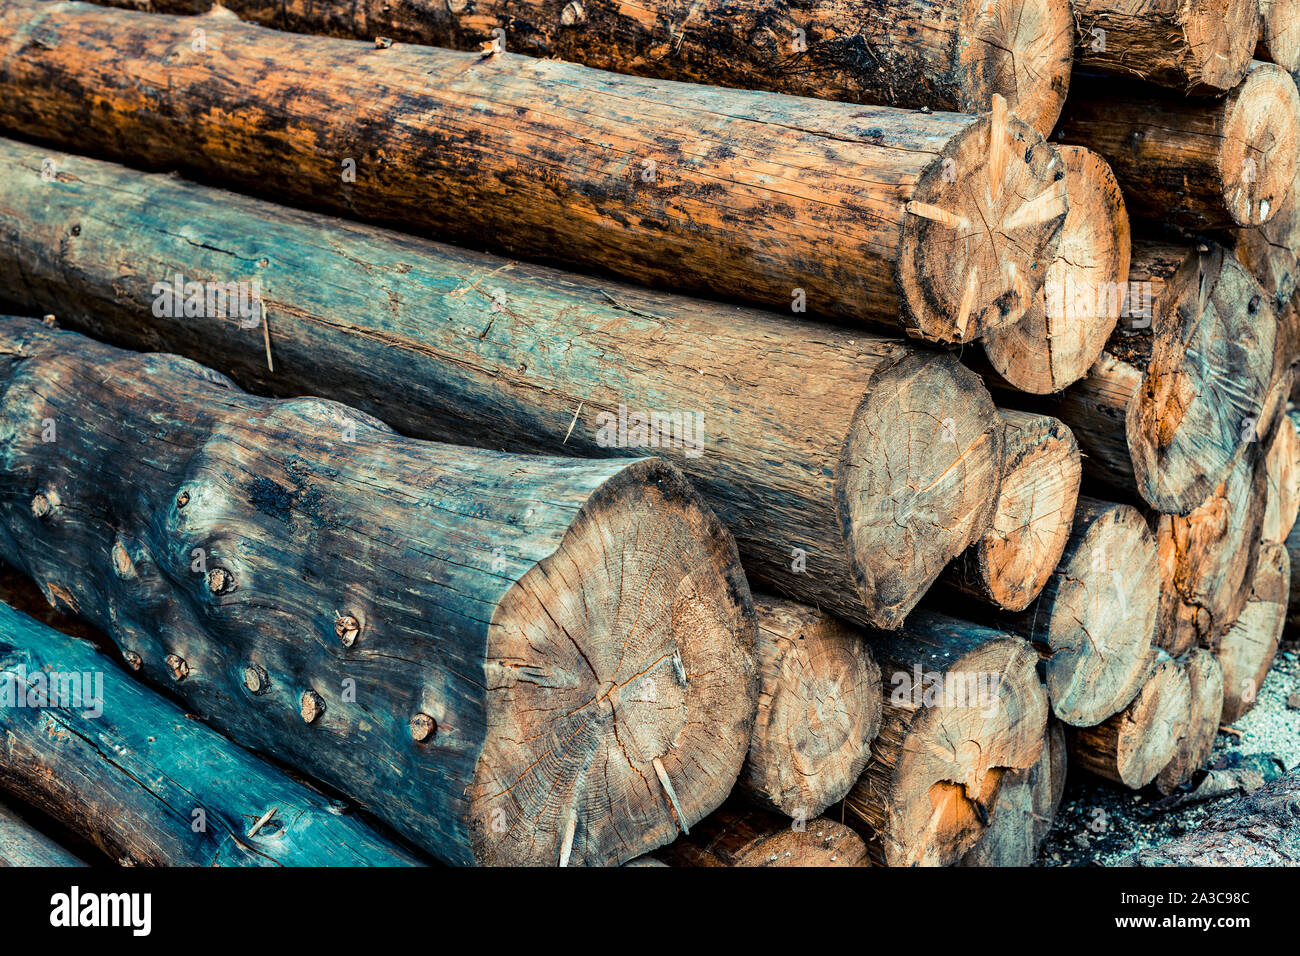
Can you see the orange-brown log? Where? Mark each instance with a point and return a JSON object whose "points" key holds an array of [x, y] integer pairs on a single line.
{"points": [[745, 836], [1246, 651], [1205, 705]]}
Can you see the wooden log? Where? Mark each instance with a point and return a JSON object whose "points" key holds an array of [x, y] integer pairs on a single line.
{"points": [[797, 453], [746, 836], [1205, 705], [963, 706], [1096, 618], [130, 771], [818, 710], [1271, 252], [1279, 33], [1133, 746], [1282, 467], [1254, 830], [1192, 46], [1027, 805], [1009, 564], [592, 687], [23, 845], [1246, 651], [841, 210], [1063, 332], [940, 54], [1198, 164], [1208, 558]]}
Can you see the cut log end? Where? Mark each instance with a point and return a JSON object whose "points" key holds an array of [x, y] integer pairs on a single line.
{"points": [[1220, 42], [1259, 150], [1064, 330], [735, 836], [1271, 253], [630, 645], [1246, 651], [1279, 33], [1019, 49], [1205, 704], [1282, 463], [981, 228], [920, 468]]}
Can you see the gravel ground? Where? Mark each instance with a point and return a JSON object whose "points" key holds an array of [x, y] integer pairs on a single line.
{"points": [[1101, 823]]}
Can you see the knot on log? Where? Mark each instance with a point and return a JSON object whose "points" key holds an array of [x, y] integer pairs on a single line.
{"points": [[312, 706], [133, 660], [45, 503], [221, 581], [347, 628], [177, 667], [256, 679], [422, 727]]}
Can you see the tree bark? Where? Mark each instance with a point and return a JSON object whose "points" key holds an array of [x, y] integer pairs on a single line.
{"points": [[1246, 651], [1133, 746], [1205, 705], [744, 836], [798, 451], [1009, 564], [594, 612], [1192, 46], [1063, 333], [21, 845], [1027, 805], [127, 769], [1279, 33], [858, 213], [1198, 164], [818, 710], [1258, 829], [963, 705]]}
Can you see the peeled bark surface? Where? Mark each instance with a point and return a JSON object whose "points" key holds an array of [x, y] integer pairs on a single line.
{"points": [[1246, 651], [963, 705], [1259, 829], [1279, 33], [1013, 559], [131, 772], [851, 468], [818, 710], [509, 659], [1063, 333], [742, 836], [1097, 615], [1205, 705], [1208, 558], [1027, 805], [1282, 464], [1271, 252], [1196, 163], [942, 224], [1132, 747], [941, 54], [21, 845], [1192, 46]]}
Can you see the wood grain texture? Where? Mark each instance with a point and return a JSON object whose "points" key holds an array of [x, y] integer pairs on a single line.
{"points": [[743, 836], [1271, 252], [1205, 707], [502, 656], [23, 845], [1246, 650], [134, 774], [1279, 33], [850, 467], [853, 212], [1282, 464]]}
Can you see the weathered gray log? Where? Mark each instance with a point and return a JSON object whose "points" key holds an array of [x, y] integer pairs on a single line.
{"points": [[818, 710], [509, 659], [860, 213], [1246, 651], [744, 836], [1198, 164], [1259, 829], [851, 468], [1205, 706], [22, 845], [963, 706], [1027, 805], [132, 773]]}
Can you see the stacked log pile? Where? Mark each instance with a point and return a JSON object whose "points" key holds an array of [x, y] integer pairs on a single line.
{"points": [[706, 321]]}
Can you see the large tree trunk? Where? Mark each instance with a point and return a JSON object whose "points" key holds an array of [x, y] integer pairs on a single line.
{"points": [[1199, 164], [842, 210], [1279, 33], [851, 468], [1258, 829], [1013, 559], [283, 567], [128, 770], [818, 710], [743, 836], [1205, 705], [1246, 651], [1133, 746], [1192, 46], [963, 706], [941, 54], [21, 845], [1061, 336]]}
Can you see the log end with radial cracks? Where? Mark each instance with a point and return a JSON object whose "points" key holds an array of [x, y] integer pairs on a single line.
{"points": [[1219, 45], [621, 674], [1064, 330], [1020, 49], [982, 225], [918, 479], [1205, 681], [746, 837], [1246, 651], [1279, 33], [1207, 381], [1260, 144]]}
